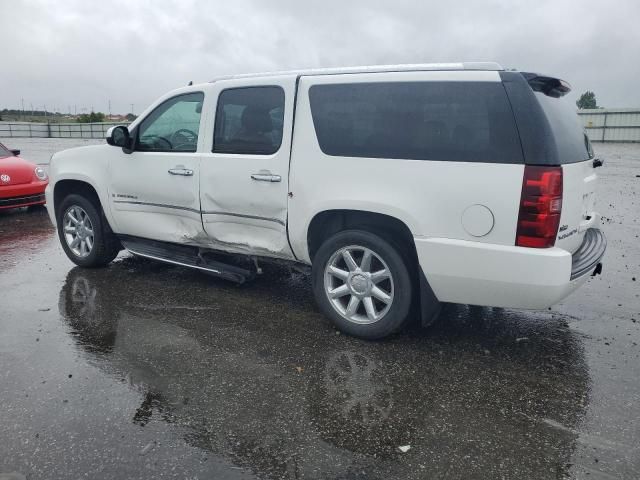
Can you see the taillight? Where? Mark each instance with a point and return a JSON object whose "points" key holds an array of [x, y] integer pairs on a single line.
{"points": [[540, 207]]}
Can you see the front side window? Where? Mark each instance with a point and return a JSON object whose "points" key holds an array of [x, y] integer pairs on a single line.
{"points": [[451, 121], [173, 126], [249, 121]]}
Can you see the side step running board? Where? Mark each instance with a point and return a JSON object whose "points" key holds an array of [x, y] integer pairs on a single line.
{"points": [[186, 256]]}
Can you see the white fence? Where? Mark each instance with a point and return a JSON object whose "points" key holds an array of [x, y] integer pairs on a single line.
{"points": [[54, 130], [612, 124]]}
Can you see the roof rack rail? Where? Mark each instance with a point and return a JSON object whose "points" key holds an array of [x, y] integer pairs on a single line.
{"points": [[488, 66]]}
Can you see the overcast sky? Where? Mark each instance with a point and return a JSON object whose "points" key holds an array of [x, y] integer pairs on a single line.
{"points": [[85, 53]]}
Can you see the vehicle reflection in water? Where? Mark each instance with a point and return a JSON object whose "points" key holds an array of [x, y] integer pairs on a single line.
{"points": [[256, 374], [23, 231]]}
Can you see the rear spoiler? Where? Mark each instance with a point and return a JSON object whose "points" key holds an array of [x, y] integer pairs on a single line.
{"points": [[552, 87]]}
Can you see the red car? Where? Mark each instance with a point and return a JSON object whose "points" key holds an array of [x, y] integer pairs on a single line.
{"points": [[22, 183]]}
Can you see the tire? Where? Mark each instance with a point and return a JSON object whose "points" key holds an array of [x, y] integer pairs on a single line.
{"points": [[387, 308], [104, 244]]}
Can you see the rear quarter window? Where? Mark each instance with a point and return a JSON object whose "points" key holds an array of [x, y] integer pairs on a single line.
{"points": [[568, 132], [449, 121]]}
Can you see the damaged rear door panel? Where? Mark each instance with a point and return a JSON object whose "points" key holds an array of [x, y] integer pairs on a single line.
{"points": [[244, 170]]}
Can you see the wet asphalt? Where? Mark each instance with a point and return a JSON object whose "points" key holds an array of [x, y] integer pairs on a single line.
{"points": [[144, 370]]}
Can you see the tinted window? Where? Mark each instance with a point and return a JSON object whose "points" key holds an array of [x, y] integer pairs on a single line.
{"points": [[456, 121], [172, 126], [4, 151], [571, 140], [249, 121]]}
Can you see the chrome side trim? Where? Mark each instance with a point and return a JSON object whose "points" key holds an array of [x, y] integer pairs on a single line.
{"points": [[242, 215], [176, 207]]}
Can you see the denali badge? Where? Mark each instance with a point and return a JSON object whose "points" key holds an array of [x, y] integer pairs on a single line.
{"points": [[5, 178], [568, 234]]}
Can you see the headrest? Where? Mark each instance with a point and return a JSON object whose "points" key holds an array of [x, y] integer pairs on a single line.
{"points": [[256, 120]]}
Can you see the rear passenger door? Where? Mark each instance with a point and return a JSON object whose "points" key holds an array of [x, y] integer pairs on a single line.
{"points": [[244, 173]]}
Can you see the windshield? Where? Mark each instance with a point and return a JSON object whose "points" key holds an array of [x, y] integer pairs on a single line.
{"points": [[4, 151]]}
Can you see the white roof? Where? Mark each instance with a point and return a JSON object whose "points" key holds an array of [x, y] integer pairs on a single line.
{"points": [[490, 66]]}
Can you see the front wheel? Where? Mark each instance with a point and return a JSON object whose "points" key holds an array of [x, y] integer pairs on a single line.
{"points": [[84, 233], [361, 282]]}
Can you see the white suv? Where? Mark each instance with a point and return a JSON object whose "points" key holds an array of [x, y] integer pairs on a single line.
{"points": [[400, 185]]}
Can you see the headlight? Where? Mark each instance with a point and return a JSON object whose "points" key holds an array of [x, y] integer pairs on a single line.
{"points": [[40, 173]]}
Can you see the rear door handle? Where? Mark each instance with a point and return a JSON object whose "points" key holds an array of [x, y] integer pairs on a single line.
{"points": [[266, 177], [185, 172]]}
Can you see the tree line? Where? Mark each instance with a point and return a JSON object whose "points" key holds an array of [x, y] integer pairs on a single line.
{"points": [[93, 117]]}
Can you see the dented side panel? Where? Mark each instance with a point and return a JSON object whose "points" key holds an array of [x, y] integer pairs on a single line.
{"points": [[241, 214]]}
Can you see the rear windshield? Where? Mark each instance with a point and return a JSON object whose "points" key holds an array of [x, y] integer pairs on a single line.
{"points": [[571, 140], [452, 121]]}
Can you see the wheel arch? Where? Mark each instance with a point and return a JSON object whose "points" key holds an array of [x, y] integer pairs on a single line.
{"points": [[329, 222], [67, 186], [82, 186]]}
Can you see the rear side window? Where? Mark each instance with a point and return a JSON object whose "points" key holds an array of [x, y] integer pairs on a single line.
{"points": [[452, 121], [249, 121], [571, 140]]}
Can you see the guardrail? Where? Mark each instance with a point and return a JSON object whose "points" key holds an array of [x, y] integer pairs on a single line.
{"points": [[55, 130], [611, 124], [602, 125]]}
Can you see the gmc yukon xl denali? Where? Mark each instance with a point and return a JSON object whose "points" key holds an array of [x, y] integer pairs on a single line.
{"points": [[401, 186]]}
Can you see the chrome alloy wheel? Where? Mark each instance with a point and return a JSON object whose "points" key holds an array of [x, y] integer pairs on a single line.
{"points": [[78, 231], [359, 285]]}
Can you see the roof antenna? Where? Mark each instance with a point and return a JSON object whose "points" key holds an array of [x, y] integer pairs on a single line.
{"points": [[190, 83]]}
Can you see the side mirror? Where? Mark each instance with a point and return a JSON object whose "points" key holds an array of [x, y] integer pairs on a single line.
{"points": [[15, 152], [119, 137]]}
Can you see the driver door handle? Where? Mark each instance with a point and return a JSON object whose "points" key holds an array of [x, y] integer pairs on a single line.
{"points": [[185, 172], [266, 177]]}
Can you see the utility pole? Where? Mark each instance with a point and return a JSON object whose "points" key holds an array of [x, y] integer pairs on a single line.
{"points": [[22, 103], [132, 109], [31, 104], [109, 108]]}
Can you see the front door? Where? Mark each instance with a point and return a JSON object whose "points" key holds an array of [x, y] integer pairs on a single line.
{"points": [[244, 177], [154, 190]]}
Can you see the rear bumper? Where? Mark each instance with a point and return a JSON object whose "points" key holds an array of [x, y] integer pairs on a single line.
{"points": [[590, 253], [475, 273]]}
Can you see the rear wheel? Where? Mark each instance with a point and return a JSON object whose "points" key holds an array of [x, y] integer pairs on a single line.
{"points": [[84, 233], [361, 282]]}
